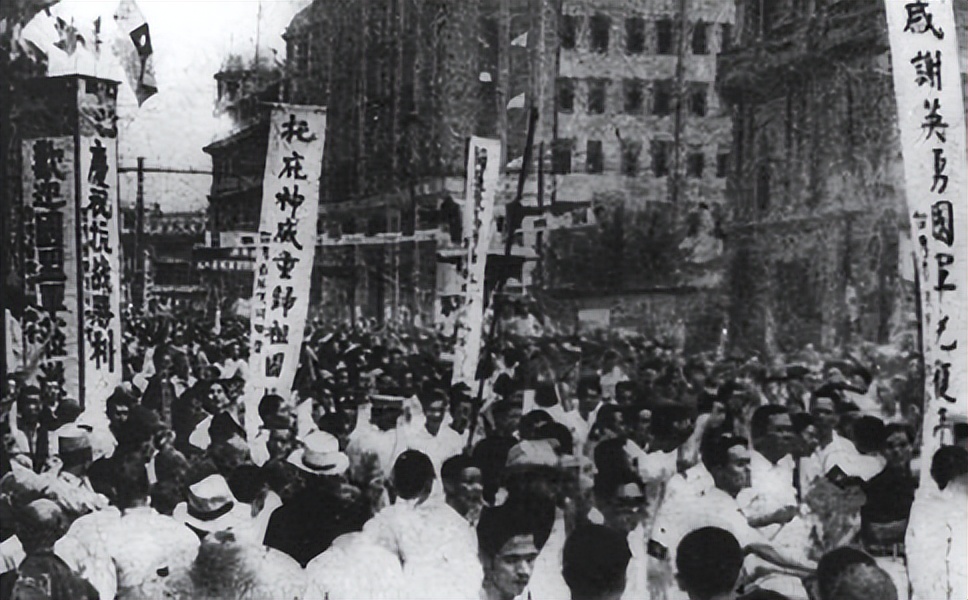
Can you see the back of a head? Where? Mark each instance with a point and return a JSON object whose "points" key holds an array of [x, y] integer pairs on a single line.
{"points": [[413, 473], [708, 562], [948, 463], [545, 395], [131, 484], [40, 524], [594, 562], [455, 465], [863, 582], [834, 563], [269, 406]]}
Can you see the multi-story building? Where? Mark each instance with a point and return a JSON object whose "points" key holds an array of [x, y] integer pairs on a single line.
{"points": [[816, 184], [167, 242]]}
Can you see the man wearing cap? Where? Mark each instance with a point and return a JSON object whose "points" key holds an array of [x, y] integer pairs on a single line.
{"points": [[325, 508], [75, 452]]}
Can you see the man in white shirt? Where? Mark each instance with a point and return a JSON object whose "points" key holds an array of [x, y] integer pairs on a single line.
{"points": [[727, 460], [833, 449]]}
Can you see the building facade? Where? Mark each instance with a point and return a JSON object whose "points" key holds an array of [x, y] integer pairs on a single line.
{"points": [[816, 184]]}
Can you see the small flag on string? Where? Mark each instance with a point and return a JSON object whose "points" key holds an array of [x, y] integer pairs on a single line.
{"points": [[133, 47], [516, 102], [484, 77], [521, 40]]}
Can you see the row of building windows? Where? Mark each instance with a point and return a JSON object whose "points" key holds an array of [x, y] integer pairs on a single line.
{"points": [[633, 97], [660, 152], [665, 37]]}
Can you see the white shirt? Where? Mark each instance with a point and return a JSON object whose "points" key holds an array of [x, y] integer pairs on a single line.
{"points": [[85, 550], [771, 487], [147, 548], [653, 467], [936, 544], [842, 453], [355, 566], [437, 547]]}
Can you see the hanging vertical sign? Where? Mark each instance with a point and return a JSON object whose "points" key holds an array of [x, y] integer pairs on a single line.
{"points": [[286, 246], [931, 119], [100, 241], [483, 177], [51, 324]]}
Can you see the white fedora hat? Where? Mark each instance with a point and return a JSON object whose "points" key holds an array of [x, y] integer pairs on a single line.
{"points": [[211, 506], [320, 455]]}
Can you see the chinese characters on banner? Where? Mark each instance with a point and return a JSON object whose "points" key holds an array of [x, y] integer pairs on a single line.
{"points": [[286, 247], [931, 118], [101, 267], [483, 177], [50, 322]]}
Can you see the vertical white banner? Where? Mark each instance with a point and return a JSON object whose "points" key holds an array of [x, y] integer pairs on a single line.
{"points": [[101, 267], [931, 118], [483, 178], [50, 322], [286, 248]]}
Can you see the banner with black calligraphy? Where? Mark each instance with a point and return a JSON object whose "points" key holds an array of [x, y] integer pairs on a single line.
{"points": [[483, 179], [286, 246], [50, 320], [931, 119], [101, 268]]}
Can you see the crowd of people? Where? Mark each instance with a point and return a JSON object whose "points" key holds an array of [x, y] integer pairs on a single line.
{"points": [[585, 467]]}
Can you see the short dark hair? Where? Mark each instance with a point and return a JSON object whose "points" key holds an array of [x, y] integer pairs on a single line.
{"points": [[412, 474], [120, 397], [556, 431], [608, 481], [801, 421], [869, 432], [269, 405], [892, 428], [834, 563], [947, 463], [131, 483], [500, 524], [246, 481], [715, 446], [545, 394], [589, 383], [709, 560], [594, 561], [760, 420], [455, 465]]}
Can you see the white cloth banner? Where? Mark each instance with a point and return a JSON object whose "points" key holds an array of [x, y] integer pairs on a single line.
{"points": [[286, 248], [483, 178], [931, 118], [50, 321], [101, 268]]}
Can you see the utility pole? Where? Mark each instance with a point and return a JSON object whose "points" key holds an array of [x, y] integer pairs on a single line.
{"points": [[138, 250], [138, 284]]}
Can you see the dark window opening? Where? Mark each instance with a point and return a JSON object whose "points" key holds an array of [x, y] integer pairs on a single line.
{"points": [[635, 35], [569, 31], [633, 96], [695, 164], [700, 43], [660, 158], [630, 157], [763, 188], [662, 98], [595, 160], [727, 37], [697, 101], [600, 24], [561, 156], [663, 37], [722, 165], [596, 96], [566, 95]]}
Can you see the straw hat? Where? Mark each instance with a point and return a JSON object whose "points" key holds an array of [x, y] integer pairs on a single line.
{"points": [[211, 506], [320, 455]]}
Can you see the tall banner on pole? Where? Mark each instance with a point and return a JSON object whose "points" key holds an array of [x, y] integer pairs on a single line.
{"points": [[72, 320], [931, 119], [286, 247], [483, 178]]}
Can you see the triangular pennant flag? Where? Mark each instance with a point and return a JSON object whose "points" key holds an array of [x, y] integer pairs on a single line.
{"points": [[68, 36], [133, 47], [516, 102], [521, 40]]}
